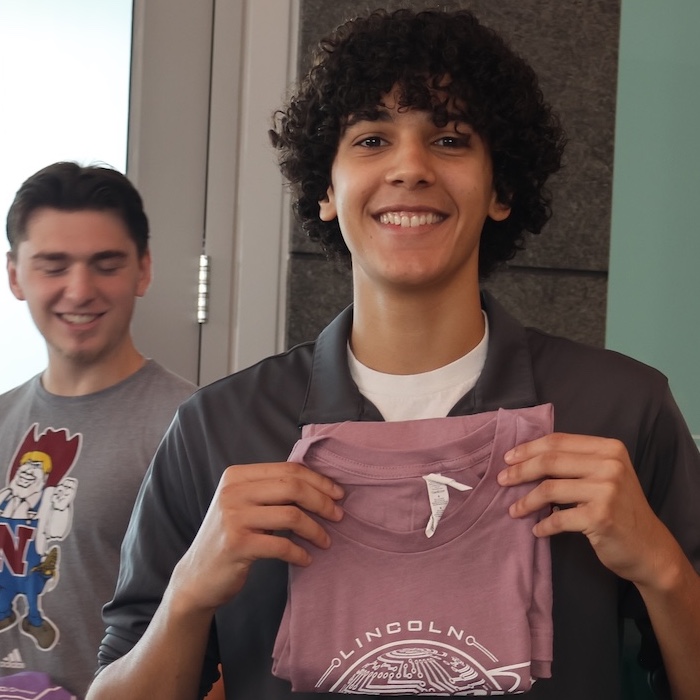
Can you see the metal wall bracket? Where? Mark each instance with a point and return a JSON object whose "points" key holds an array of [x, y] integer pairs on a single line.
{"points": [[203, 289]]}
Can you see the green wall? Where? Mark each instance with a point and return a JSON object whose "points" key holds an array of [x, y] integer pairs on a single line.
{"points": [[654, 285]]}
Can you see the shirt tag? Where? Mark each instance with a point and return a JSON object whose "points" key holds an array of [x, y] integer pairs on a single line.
{"points": [[439, 496]]}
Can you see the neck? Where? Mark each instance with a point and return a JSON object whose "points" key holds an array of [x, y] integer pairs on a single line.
{"points": [[67, 376], [410, 334]]}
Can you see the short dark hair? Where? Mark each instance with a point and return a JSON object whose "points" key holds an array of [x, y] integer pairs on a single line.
{"points": [[439, 61], [68, 186]]}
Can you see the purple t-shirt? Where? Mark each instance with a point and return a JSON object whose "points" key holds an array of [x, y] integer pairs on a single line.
{"points": [[32, 685], [429, 586]]}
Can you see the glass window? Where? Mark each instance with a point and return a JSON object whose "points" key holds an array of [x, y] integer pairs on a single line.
{"points": [[64, 78]]}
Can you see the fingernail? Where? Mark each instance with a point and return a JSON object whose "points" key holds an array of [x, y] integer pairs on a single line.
{"points": [[502, 477], [509, 456]]}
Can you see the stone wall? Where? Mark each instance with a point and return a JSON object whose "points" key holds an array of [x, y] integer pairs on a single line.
{"points": [[559, 282]]}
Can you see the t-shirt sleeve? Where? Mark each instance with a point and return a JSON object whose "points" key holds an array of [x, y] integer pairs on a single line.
{"points": [[669, 471], [668, 467], [166, 516]]}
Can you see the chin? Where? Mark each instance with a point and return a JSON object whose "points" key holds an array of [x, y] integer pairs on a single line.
{"points": [[83, 356]]}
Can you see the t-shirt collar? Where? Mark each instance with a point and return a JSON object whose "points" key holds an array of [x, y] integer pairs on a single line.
{"points": [[505, 382]]}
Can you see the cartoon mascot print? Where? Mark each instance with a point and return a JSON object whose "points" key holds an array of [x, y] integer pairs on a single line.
{"points": [[36, 510]]}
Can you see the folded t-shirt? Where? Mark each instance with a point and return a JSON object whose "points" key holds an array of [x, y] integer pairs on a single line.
{"points": [[429, 586], [32, 685]]}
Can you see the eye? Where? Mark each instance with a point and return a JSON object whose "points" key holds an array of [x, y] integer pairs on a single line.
{"points": [[108, 267], [54, 269], [109, 263], [371, 142], [454, 141]]}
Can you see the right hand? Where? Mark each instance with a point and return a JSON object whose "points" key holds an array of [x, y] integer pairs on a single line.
{"points": [[251, 502]]}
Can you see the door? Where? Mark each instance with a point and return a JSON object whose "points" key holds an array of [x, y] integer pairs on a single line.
{"points": [[205, 79]]}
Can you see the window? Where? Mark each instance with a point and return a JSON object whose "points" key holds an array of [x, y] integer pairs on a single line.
{"points": [[64, 77]]}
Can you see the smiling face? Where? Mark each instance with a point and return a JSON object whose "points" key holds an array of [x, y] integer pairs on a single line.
{"points": [[79, 273], [411, 199], [29, 479]]}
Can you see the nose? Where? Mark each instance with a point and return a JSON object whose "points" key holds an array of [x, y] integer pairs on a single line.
{"points": [[80, 285], [411, 164]]}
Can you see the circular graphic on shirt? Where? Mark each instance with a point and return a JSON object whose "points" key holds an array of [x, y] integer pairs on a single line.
{"points": [[424, 667]]}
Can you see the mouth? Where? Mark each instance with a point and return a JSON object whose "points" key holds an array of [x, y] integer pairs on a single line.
{"points": [[410, 219], [79, 319]]}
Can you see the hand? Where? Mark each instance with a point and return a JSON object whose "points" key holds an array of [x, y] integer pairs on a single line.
{"points": [[64, 494], [252, 502], [596, 477]]}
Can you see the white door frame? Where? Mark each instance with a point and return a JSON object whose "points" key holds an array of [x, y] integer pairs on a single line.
{"points": [[247, 208], [205, 79]]}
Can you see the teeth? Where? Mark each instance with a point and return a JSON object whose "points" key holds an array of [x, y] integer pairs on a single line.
{"points": [[79, 318], [406, 220]]}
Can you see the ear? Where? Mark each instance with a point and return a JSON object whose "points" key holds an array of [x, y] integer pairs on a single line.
{"points": [[498, 211], [15, 286], [145, 274], [327, 208]]}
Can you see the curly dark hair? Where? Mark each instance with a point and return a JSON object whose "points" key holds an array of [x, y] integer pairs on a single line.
{"points": [[437, 60], [69, 186]]}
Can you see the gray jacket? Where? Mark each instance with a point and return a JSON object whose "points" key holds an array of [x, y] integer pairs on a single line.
{"points": [[255, 416]]}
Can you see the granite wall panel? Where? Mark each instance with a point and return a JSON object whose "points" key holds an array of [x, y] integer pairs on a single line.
{"points": [[559, 282], [559, 302]]}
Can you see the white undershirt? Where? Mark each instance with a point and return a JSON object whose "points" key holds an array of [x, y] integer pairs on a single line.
{"points": [[426, 395]]}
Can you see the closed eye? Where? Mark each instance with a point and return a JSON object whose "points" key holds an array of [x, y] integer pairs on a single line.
{"points": [[50, 263], [108, 267], [109, 262], [54, 269]]}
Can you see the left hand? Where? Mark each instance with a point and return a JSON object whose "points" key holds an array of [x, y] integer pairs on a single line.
{"points": [[595, 476]]}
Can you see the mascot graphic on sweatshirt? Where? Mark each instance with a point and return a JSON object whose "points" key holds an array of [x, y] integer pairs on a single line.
{"points": [[36, 512]]}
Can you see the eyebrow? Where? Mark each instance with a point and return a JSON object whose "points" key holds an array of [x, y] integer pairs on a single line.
{"points": [[384, 114], [97, 257], [379, 114]]}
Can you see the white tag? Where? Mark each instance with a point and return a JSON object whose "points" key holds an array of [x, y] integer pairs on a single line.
{"points": [[439, 496]]}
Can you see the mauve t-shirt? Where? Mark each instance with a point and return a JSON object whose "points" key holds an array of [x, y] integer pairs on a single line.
{"points": [[429, 586], [32, 685]]}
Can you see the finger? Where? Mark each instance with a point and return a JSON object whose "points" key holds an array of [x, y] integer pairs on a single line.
{"points": [[565, 443], [594, 519], [286, 518], [562, 520], [548, 465], [274, 546], [285, 489], [610, 465], [285, 472], [264, 533], [282, 492], [554, 492]]}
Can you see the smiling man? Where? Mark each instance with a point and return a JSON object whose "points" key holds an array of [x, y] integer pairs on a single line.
{"points": [[80, 273], [386, 510], [75, 440]]}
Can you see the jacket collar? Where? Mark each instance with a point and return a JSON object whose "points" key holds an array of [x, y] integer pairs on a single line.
{"points": [[506, 381], [332, 396]]}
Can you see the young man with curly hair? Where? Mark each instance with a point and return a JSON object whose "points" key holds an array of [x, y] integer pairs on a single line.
{"points": [[417, 146]]}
